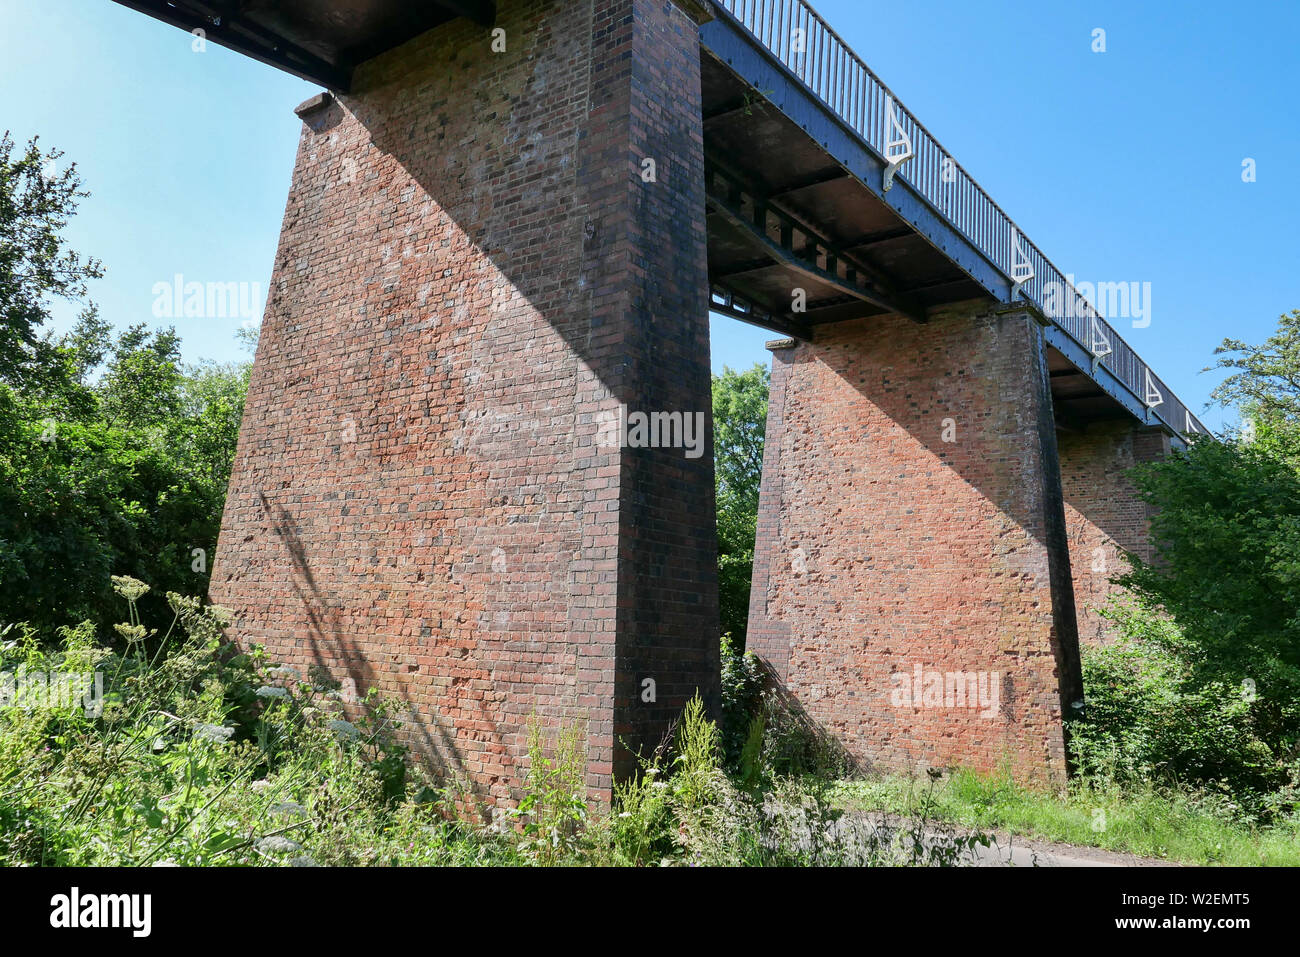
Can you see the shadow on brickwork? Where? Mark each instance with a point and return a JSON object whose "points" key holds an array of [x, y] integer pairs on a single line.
{"points": [[332, 649], [524, 182], [1095, 467], [471, 274], [797, 743], [966, 559]]}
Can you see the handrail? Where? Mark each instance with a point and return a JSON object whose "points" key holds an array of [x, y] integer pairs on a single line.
{"points": [[818, 57]]}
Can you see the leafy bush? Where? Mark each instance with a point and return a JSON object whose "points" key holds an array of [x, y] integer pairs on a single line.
{"points": [[642, 824], [113, 457], [200, 754], [1206, 691], [1151, 716], [686, 809], [743, 681], [1227, 534], [765, 733], [80, 501]]}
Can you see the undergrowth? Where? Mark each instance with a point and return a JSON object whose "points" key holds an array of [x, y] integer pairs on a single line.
{"points": [[192, 752]]}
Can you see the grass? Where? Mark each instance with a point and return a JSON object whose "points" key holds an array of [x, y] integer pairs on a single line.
{"points": [[1168, 825]]}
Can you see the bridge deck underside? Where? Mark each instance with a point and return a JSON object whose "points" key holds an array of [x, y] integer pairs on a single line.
{"points": [[755, 147], [318, 40], [1076, 398], [854, 258]]}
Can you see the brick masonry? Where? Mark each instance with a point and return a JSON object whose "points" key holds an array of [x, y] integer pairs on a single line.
{"points": [[882, 548], [472, 276], [1104, 516]]}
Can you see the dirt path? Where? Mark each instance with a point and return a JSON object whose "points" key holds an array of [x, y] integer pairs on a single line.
{"points": [[1008, 850], [1012, 851]]}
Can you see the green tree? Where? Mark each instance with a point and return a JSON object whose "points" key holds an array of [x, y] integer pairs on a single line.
{"points": [[1227, 535], [141, 387], [1227, 521], [1226, 579], [204, 433], [114, 459], [739, 424], [1264, 385], [36, 201], [1265, 378]]}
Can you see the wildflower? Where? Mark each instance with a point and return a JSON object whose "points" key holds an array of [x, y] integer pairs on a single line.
{"points": [[270, 691], [345, 730], [216, 733], [275, 844], [132, 633], [284, 671], [221, 614], [302, 860], [260, 785], [289, 809], [129, 588]]}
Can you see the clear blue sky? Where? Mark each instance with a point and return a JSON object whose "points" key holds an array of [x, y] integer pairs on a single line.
{"points": [[1123, 165]]}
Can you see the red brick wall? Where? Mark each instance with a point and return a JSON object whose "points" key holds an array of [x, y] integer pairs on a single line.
{"points": [[1103, 514], [472, 275], [881, 547]]}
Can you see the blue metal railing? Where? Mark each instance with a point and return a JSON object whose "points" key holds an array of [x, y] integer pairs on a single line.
{"points": [[819, 58]]}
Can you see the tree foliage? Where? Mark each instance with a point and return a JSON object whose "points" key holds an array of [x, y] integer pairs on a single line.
{"points": [[739, 424], [1206, 685], [36, 202], [114, 459], [1265, 379]]}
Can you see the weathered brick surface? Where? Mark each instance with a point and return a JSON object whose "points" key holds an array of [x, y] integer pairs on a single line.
{"points": [[881, 547], [1104, 515], [472, 276]]}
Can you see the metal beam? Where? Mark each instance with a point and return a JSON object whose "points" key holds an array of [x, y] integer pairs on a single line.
{"points": [[932, 286], [727, 198], [744, 269], [808, 182], [880, 236], [786, 257], [740, 185], [723, 300]]}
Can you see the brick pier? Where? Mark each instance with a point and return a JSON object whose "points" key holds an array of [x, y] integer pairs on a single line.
{"points": [[911, 524], [473, 275]]}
